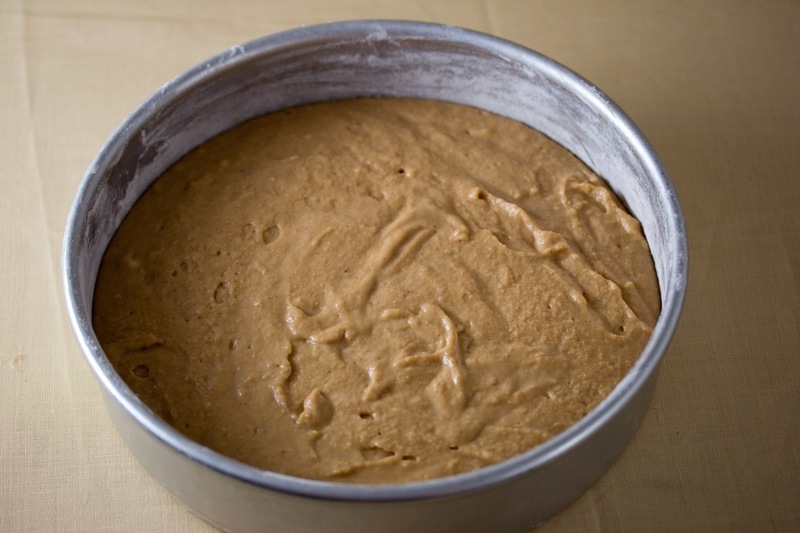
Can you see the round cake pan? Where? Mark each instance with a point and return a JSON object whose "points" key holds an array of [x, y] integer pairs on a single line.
{"points": [[381, 59]]}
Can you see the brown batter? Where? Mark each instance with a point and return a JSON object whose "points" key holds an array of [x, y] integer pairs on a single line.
{"points": [[376, 290]]}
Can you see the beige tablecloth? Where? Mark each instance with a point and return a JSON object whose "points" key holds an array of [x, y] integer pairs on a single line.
{"points": [[713, 84]]}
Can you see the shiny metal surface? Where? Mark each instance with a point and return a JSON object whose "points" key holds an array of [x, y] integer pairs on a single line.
{"points": [[376, 58]]}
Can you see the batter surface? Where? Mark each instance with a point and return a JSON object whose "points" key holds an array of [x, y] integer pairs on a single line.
{"points": [[376, 291]]}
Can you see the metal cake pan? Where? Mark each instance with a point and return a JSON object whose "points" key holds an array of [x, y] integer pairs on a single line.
{"points": [[376, 58]]}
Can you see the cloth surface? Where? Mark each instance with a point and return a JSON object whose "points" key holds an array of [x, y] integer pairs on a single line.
{"points": [[712, 84]]}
